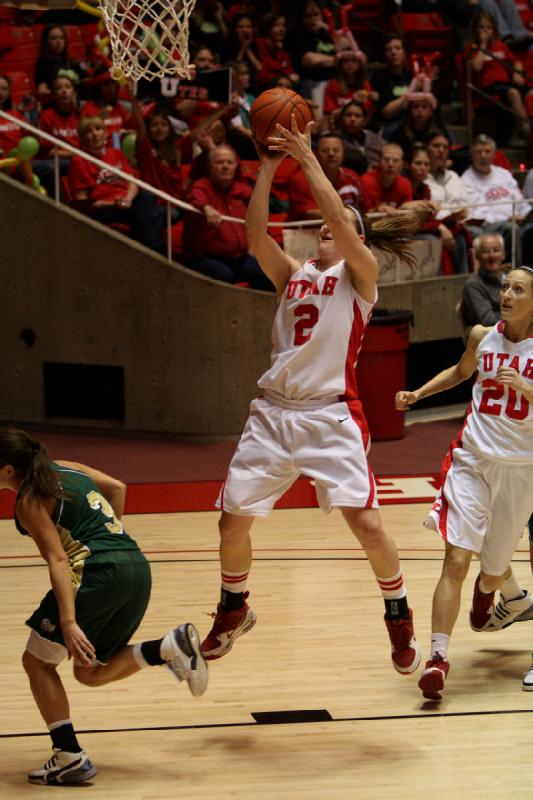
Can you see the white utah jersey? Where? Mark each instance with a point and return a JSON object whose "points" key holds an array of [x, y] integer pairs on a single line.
{"points": [[499, 422], [317, 334]]}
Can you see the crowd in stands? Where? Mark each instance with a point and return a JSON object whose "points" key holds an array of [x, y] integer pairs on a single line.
{"points": [[378, 128]]}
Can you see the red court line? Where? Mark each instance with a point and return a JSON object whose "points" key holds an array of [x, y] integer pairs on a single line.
{"points": [[172, 497]]}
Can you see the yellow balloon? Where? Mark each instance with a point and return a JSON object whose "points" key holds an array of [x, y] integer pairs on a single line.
{"points": [[8, 162], [88, 9]]}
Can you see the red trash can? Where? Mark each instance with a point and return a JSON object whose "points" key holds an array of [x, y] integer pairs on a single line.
{"points": [[382, 371]]}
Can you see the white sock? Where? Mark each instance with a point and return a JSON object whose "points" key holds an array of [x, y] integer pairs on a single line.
{"points": [[392, 588], [511, 589], [58, 724], [138, 656], [439, 644]]}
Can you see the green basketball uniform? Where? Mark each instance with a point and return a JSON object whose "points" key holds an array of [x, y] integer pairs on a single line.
{"points": [[110, 576]]}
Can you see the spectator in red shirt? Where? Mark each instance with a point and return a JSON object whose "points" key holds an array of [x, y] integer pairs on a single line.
{"points": [[496, 70], [10, 132], [273, 55], [384, 188], [330, 155], [105, 196], [158, 153], [105, 104], [350, 83], [61, 120], [213, 246]]}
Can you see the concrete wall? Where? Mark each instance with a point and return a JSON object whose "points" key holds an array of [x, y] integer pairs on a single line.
{"points": [[191, 348]]}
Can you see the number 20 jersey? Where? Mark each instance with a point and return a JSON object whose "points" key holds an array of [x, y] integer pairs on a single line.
{"points": [[317, 334], [499, 423]]}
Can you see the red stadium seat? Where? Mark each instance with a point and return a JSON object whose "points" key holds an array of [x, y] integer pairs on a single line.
{"points": [[9, 16], [89, 30], [177, 237], [427, 33], [20, 59], [16, 35], [77, 48], [21, 86]]}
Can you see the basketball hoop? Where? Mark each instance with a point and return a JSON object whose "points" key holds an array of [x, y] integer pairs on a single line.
{"points": [[148, 39]]}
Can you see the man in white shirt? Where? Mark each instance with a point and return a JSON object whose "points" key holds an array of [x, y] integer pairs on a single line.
{"points": [[450, 195], [491, 191]]}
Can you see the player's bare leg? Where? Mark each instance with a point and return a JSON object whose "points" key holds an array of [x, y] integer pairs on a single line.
{"points": [[179, 650], [233, 616], [446, 605], [383, 557]]}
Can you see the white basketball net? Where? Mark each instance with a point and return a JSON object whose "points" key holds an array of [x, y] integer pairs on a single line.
{"points": [[149, 38]]}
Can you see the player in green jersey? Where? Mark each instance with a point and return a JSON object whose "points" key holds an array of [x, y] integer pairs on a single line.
{"points": [[100, 589]]}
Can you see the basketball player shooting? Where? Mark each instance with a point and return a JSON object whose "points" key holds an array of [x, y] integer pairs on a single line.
{"points": [[309, 419]]}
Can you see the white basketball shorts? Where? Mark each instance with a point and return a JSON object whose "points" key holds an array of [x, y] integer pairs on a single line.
{"points": [[483, 506], [326, 443]]}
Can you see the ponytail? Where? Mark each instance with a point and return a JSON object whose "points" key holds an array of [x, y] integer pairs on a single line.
{"points": [[31, 463], [392, 235]]}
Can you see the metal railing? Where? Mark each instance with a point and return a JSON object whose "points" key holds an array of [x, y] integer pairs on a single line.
{"points": [[173, 202]]}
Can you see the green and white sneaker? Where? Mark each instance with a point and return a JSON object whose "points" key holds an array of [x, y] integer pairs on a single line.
{"points": [[64, 768], [181, 650]]}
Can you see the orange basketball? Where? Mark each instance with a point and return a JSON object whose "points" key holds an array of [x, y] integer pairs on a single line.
{"points": [[273, 107]]}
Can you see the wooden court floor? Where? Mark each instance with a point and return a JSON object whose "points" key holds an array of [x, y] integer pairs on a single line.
{"points": [[319, 645]]}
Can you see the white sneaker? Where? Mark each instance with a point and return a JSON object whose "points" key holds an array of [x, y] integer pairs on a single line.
{"points": [[526, 615], [64, 768], [507, 611], [181, 649], [527, 681]]}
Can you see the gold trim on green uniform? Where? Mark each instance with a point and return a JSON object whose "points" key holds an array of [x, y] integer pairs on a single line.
{"points": [[76, 553]]}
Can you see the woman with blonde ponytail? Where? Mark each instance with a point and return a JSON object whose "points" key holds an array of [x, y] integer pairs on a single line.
{"points": [[309, 419], [100, 589]]}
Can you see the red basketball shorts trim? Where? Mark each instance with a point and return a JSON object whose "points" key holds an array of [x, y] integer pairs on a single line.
{"points": [[483, 506]]}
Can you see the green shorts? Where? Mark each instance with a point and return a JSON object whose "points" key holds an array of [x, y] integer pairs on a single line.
{"points": [[110, 602]]}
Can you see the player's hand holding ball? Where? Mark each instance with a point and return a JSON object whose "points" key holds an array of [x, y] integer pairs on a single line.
{"points": [[293, 143]]}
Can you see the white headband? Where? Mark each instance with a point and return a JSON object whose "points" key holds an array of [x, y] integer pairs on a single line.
{"points": [[523, 266], [359, 219]]}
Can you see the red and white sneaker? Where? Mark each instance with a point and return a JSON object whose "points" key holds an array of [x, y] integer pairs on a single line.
{"points": [[228, 626], [406, 653], [433, 677], [482, 608]]}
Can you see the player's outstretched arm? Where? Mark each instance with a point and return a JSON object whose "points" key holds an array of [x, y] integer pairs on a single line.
{"points": [[274, 262], [111, 488], [448, 378], [360, 261]]}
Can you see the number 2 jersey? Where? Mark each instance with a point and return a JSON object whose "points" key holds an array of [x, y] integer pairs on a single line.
{"points": [[317, 334], [499, 423], [85, 521]]}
